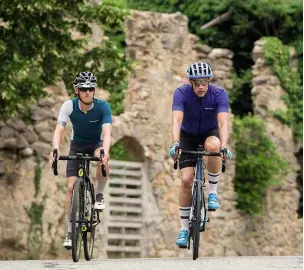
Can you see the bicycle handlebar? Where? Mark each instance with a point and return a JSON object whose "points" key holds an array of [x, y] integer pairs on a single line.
{"points": [[198, 153], [202, 153], [78, 157]]}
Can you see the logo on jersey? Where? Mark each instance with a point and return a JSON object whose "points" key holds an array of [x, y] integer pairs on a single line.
{"points": [[94, 121]]}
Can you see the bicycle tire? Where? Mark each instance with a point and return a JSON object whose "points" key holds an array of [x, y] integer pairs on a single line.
{"points": [[196, 218], [77, 208], [89, 235]]}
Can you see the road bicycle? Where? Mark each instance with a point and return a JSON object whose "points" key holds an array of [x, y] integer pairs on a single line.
{"points": [[198, 213], [83, 217]]}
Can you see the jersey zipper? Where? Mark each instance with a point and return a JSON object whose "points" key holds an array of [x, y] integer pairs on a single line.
{"points": [[199, 125]]}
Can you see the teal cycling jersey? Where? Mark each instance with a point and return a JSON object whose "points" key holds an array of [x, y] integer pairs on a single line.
{"points": [[86, 126]]}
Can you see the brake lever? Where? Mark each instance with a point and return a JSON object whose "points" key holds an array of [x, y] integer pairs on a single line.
{"points": [[54, 164], [224, 151], [103, 168], [177, 155]]}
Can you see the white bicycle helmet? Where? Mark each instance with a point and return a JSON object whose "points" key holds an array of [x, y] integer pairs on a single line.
{"points": [[199, 70], [85, 79]]}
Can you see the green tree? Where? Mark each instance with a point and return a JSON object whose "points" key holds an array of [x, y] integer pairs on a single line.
{"points": [[247, 22], [37, 48]]}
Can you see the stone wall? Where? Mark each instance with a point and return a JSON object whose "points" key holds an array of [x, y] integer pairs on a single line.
{"points": [[280, 232], [32, 216], [25, 193]]}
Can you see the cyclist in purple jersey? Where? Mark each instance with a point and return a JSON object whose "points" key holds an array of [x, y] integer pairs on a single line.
{"points": [[200, 112]]}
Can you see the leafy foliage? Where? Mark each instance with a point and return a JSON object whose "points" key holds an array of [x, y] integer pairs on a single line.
{"points": [[249, 21], [258, 166], [37, 177], [119, 152], [38, 46], [278, 57], [117, 35]]}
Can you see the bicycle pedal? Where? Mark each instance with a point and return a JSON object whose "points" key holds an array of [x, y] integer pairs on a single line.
{"points": [[211, 210], [68, 248]]}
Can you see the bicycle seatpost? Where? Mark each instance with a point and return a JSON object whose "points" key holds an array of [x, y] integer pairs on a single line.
{"points": [[103, 168]]}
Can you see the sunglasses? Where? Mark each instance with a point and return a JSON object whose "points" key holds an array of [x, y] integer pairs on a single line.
{"points": [[86, 89], [200, 82]]}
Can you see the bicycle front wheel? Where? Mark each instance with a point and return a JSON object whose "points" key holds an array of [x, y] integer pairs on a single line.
{"points": [[197, 191], [77, 216], [91, 218]]}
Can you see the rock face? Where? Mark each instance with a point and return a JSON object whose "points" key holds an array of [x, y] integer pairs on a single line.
{"points": [[282, 202], [32, 213]]}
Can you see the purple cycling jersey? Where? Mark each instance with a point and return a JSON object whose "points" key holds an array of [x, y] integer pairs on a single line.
{"points": [[200, 113]]}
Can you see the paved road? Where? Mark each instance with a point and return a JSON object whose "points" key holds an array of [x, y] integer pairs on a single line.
{"points": [[210, 263]]}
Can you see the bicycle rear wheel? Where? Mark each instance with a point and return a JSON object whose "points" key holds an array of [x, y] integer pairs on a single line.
{"points": [[197, 191], [90, 217], [77, 217]]}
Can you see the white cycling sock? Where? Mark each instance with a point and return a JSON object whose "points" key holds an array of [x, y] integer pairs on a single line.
{"points": [[184, 215], [69, 223], [213, 179], [100, 186]]}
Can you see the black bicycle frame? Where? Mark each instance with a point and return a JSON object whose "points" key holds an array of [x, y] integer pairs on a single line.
{"points": [[199, 182]]}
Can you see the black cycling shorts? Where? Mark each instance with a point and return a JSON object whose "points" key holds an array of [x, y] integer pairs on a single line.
{"points": [[72, 165], [189, 142]]}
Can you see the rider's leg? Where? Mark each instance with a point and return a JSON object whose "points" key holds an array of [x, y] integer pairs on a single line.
{"points": [[185, 195], [67, 203], [186, 165], [68, 240], [71, 173], [213, 144], [101, 182]]}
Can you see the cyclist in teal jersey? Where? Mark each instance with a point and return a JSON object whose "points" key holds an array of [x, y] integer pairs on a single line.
{"points": [[91, 130], [200, 116]]}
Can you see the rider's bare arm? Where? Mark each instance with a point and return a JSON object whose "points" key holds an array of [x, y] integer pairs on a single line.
{"points": [[57, 135], [107, 134], [222, 119], [177, 119]]}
